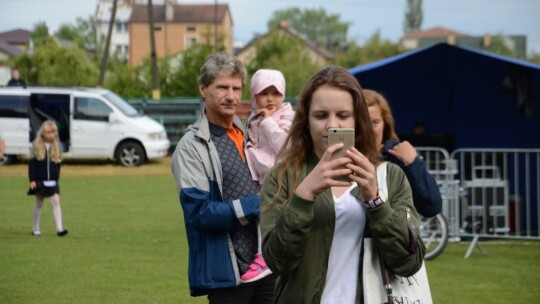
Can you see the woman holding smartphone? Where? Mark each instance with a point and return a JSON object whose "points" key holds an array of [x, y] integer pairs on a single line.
{"points": [[312, 221]]}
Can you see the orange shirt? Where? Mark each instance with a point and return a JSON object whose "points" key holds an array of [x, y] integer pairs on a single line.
{"points": [[238, 137]]}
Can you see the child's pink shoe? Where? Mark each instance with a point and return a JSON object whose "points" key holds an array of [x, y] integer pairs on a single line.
{"points": [[257, 270]]}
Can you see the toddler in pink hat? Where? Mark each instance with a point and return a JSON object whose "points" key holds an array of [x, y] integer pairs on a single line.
{"points": [[269, 121], [267, 127]]}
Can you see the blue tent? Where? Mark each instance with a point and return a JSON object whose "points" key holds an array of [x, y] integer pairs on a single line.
{"points": [[482, 99]]}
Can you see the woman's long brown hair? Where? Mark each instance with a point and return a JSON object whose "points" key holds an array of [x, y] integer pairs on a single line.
{"points": [[375, 98]]}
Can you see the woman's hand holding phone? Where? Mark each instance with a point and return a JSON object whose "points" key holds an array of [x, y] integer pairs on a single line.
{"points": [[326, 174]]}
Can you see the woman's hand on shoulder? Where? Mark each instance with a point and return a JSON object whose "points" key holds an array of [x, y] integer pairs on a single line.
{"points": [[325, 175], [404, 151]]}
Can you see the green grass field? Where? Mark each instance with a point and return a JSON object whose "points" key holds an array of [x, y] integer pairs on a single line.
{"points": [[127, 244]]}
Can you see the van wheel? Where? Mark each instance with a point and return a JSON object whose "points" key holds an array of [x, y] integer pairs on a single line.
{"points": [[7, 160], [130, 154]]}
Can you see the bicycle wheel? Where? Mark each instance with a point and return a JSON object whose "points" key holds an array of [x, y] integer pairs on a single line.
{"points": [[434, 233]]}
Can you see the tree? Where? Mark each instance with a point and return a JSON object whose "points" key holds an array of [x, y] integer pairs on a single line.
{"points": [[40, 32], [413, 16], [183, 80], [534, 57], [51, 64], [287, 54], [374, 49], [123, 79], [70, 33], [325, 30], [83, 33], [351, 56], [500, 44]]}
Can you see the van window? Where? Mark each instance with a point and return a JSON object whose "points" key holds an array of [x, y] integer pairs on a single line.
{"points": [[14, 106], [91, 109], [45, 106], [121, 104]]}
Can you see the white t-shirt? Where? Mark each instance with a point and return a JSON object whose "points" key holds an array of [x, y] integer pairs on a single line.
{"points": [[343, 263]]}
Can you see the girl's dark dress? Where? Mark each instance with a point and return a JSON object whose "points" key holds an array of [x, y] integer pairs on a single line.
{"points": [[44, 172]]}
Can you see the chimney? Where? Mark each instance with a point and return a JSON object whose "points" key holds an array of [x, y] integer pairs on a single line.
{"points": [[169, 10], [486, 41], [451, 39]]}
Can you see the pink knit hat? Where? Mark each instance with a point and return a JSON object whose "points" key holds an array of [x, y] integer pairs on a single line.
{"points": [[263, 79]]}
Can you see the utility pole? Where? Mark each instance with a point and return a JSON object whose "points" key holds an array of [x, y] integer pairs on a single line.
{"points": [[105, 58], [153, 58], [215, 26]]}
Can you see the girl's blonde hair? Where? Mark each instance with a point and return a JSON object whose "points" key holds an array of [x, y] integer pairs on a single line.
{"points": [[38, 145]]}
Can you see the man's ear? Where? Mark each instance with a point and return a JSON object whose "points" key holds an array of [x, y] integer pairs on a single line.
{"points": [[202, 91]]}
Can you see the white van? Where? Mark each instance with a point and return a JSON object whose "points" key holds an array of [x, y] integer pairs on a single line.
{"points": [[92, 124]]}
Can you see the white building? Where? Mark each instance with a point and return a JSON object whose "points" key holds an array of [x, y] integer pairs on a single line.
{"points": [[119, 45]]}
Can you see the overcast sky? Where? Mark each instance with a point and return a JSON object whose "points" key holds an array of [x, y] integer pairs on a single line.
{"points": [[472, 17]]}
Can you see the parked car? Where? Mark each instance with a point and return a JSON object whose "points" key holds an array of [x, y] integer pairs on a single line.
{"points": [[92, 124]]}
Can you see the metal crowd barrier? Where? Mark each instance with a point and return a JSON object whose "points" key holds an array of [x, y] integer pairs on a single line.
{"points": [[444, 170], [488, 193], [501, 194]]}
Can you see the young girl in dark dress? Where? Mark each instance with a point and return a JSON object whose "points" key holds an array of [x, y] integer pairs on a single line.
{"points": [[44, 173]]}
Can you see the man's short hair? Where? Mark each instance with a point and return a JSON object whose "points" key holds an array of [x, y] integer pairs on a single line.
{"points": [[221, 64]]}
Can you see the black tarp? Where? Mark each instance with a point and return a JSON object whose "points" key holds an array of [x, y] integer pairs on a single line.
{"points": [[478, 99]]}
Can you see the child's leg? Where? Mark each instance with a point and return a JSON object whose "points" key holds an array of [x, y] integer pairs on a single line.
{"points": [[57, 211], [258, 268], [259, 238], [37, 213]]}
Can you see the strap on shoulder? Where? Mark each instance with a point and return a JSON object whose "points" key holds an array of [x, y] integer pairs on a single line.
{"points": [[381, 181]]}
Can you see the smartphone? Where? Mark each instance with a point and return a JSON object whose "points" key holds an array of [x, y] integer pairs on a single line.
{"points": [[341, 135]]}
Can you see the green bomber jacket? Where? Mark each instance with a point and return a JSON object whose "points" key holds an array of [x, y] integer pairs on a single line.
{"points": [[297, 233]]}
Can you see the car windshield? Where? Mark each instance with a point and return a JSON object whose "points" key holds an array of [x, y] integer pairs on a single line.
{"points": [[122, 105]]}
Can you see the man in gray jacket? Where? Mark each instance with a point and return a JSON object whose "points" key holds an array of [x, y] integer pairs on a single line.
{"points": [[219, 199]]}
